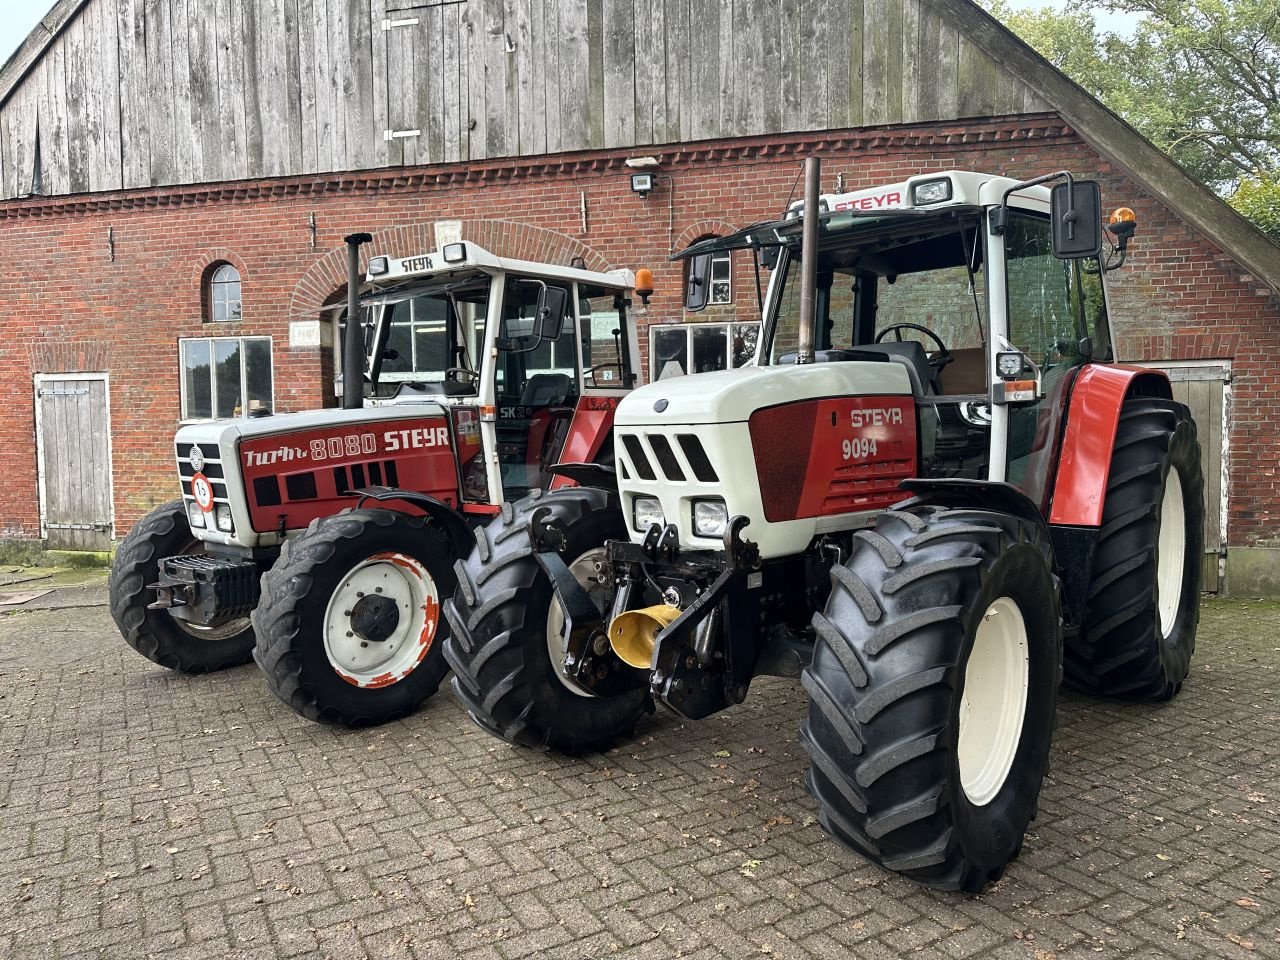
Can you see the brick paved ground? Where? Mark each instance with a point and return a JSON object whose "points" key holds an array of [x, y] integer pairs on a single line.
{"points": [[149, 814]]}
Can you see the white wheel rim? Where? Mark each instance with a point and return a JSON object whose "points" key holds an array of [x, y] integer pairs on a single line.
{"points": [[1171, 552], [993, 702], [586, 570], [374, 663]]}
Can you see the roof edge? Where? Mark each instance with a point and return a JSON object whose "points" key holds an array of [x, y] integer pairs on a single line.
{"points": [[1120, 143], [26, 56]]}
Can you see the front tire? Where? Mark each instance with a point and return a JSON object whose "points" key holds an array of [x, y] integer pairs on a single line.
{"points": [[932, 693], [504, 618], [1143, 603], [157, 635], [349, 626]]}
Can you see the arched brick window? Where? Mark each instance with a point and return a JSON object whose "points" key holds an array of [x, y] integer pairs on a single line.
{"points": [[222, 293]]}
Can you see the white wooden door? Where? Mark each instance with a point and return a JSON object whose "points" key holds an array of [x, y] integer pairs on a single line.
{"points": [[73, 451]]}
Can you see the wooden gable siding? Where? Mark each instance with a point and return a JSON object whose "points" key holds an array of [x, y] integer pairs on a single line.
{"points": [[135, 93]]}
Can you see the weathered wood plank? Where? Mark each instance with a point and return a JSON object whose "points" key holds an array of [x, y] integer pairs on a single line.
{"points": [[457, 72], [882, 92], [135, 131], [431, 146], [360, 131], [978, 80], [308, 63], [573, 75], [839, 65], [79, 118], [705, 62], [911, 56], [270, 84], [231, 118], [323, 84], [205, 93], [402, 90], [186, 145], [790, 67], [509, 76], [723, 91], [815, 66], [247, 40], [619, 73], [747, 106], [679, 66], [107, 168], [596, 120], [292, 89], [650, 66], [477, 110], [379, 11], [53, 121]]}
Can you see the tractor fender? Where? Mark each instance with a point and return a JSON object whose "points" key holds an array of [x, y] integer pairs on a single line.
{"points": [[440, 513], [588, 433], [1093, 415], [979, 495]]}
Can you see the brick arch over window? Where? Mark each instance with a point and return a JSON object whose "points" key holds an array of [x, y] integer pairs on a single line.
{"points": [[503, 238], [212, 258], [704, 228]]}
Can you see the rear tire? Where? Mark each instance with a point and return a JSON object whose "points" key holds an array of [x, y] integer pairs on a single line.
{"points": [[325, 649], [156, 634], [504, 672], [1138, 636], [932, 693]]}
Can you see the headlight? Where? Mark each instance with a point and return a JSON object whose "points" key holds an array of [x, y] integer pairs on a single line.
{"points": [[222, 514], [931, 191], [710, 518], [195, 516], [645, 512]]}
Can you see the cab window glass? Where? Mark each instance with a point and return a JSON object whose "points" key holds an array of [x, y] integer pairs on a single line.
{"points": [[603, 326], [1048, 298]]}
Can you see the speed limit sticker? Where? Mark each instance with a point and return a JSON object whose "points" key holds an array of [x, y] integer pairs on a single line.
{"points": [[202, 490]]}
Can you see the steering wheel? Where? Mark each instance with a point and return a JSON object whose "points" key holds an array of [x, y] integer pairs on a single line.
{"points": [[472, 375], [614, 365], [936, 362]]}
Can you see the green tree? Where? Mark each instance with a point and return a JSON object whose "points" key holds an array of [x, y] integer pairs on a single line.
{"points": [[1200, 79]]}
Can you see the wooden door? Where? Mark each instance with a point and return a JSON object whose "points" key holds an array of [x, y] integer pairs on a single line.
{"points": [[1205, 387], [73, 449]]}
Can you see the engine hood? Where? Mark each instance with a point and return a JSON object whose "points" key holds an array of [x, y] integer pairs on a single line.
{"points": [[730, 396]]}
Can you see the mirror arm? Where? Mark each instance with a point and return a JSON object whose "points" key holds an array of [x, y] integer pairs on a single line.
{"points": [[1000, 215]]}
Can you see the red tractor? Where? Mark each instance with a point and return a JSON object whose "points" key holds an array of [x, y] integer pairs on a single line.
{"points": [[947, 336], [323, 543]]}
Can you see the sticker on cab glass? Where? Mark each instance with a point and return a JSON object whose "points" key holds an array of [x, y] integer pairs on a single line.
{"points": [[202, 490]]}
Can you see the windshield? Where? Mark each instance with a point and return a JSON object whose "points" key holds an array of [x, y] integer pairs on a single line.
{"points": [[886, 273], [429, 331]]}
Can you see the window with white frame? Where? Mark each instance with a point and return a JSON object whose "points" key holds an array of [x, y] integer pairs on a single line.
{"points": [[224, 294], [721, 278], [225, 377], [681, 348]]}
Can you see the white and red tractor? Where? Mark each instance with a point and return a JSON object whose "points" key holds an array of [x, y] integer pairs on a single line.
{"points": [[944, 338], [323, 543]]}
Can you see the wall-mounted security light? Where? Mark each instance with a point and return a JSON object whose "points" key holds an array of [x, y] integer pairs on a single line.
{"points": [[642, 183]]}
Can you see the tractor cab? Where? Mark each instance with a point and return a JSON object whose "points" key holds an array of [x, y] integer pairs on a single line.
{"points": [[912, 274]]}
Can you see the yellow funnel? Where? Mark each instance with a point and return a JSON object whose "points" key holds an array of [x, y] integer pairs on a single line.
{"points": [[633, 634]]}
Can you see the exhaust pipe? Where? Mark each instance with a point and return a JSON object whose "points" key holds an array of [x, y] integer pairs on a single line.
{"points": [[809, 266], [634, 634], [353, 343]]}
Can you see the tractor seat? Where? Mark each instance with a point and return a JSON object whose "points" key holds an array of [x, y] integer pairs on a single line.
{"points": [[911, 355], [545, 389]]}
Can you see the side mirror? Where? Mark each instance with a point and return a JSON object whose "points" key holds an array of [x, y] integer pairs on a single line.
{"points": [[551, 310], [1076, 214], [698, 287], [521, 333]]}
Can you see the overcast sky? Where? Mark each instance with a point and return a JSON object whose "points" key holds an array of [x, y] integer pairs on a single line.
{"points": [[19, 17]]}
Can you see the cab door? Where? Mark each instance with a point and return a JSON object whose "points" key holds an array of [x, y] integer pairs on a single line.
{"points": [[537, 383]]}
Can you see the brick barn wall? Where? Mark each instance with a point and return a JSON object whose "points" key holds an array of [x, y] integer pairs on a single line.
{"points": [[66, 305]]}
